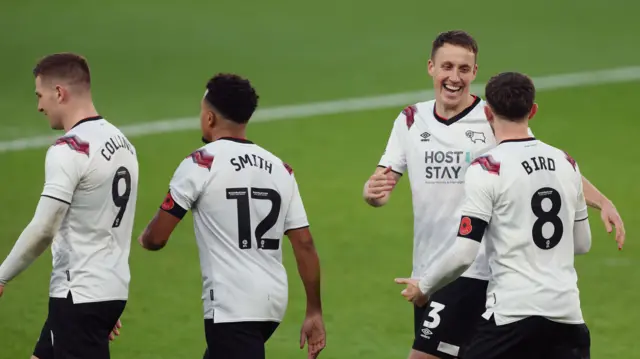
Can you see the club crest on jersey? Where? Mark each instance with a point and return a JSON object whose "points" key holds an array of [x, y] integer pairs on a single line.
{"points": [[476, 137], [465, 226], [202, 158], [75, 143], [410, 115], [571, 160], [488, 163]]}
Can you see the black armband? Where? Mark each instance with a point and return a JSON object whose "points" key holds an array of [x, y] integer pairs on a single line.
{"points": [[472, 228], [171, 207]]}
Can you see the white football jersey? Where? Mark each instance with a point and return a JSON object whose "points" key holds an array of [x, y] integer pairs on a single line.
{"points": [[93, 168], [436, 152], [243, 199], [531, 195]]}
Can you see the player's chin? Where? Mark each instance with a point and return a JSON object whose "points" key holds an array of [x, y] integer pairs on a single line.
{"points": [[451, 98]]}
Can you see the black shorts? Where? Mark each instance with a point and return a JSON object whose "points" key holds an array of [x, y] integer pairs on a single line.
{"points": [[78, 331], [239, 340], [445, 326], [530, 338]]}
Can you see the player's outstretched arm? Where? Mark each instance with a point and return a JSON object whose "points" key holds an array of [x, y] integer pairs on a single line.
{"points": [[35, 238], [377, 189], [313, 331], [608, 212]]}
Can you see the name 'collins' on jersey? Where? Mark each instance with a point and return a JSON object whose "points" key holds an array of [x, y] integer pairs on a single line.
{"points": [[243, 199], [436, 153], [93, 168]]}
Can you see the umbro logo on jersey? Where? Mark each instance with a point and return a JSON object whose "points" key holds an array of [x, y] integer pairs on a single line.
{"points": [[425, 136], [476, 136], [426, 333]]}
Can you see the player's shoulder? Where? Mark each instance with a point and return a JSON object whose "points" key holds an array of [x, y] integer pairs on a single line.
{"points": [[563, 156], [408, 115], [283, 167], [488, 163]]}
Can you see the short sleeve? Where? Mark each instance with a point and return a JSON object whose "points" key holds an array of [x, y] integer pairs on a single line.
{"points": [[479, 182], [189, 179], [63, 171], [394, 154], [296, 216]]}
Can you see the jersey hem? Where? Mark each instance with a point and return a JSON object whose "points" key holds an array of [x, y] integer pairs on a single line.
{"points": [[240, 320]]}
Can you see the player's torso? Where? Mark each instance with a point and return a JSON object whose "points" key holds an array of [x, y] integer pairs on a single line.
{"points": [[438, 154], [239, 222], [90, 252], [529, 241]]}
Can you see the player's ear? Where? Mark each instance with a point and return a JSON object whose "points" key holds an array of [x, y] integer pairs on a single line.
{"points": [[488, 113], [534, 110], [61, 93], [475, 70], [430, 67]]}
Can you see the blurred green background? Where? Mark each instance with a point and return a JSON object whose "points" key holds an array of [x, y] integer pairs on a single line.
{"points": [[150, 61]]}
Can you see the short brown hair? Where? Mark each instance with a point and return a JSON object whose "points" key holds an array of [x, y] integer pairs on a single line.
{"points": [[68, 66], [457, 38], [510, 95]]}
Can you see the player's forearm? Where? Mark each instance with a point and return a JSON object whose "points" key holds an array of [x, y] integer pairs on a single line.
{"points": [[309, 270], [35, 238], [594, 198], [450, 266]]}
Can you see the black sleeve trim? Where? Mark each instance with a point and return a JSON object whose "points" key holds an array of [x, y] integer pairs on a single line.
{"points": [[398, 173], [293, 229], [57, 199], [472, 228], [583, 219], [171, 207]]}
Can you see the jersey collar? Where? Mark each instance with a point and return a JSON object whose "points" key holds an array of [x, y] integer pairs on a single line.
{"points": [[458, 117], [235, 139], [94, 118], [518, 140]]}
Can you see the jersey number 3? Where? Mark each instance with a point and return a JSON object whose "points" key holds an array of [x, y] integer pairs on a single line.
{"points": [[241, 195], [120, 200], [546, 215]]}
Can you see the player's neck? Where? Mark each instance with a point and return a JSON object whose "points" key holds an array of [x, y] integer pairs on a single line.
{"points": [[448, 112], [230, 132], [511, 131], [78, 114]]}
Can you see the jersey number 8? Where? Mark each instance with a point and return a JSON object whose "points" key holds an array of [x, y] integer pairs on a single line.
{"points": [[543, 217], [241, 195]]}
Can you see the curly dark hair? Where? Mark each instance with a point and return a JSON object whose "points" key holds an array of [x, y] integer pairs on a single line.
{"points": [[511, 95], [232, 96]]}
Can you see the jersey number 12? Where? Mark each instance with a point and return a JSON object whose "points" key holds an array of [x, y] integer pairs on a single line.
{"points": [[242, 196]]}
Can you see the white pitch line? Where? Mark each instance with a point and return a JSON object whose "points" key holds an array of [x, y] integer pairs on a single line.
{"points": [[552, 82]]}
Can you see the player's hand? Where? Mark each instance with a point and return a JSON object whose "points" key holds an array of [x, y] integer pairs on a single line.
{"points": [[380, 184], [313, 334], [116, 331], [611, 218], [412, 292], [1, 290]]}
